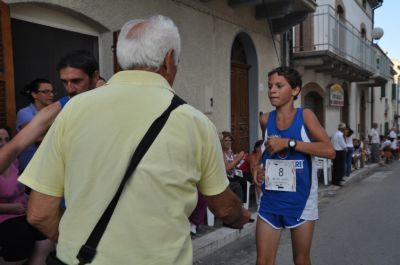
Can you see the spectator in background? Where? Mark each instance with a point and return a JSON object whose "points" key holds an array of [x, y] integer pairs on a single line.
{"points": [[233, 161], [393, 148], [393, 134], [374, 142], [366, 151], [199, 213], [357, 154], [41, 94], [78, 71], [386, 153], [339, 163], [251, 164], [19, 241], [349, 148]]}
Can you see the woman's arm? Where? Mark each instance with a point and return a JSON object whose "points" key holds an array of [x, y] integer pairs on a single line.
{"points": [[28, 135], [236, 160], [12, 208]]}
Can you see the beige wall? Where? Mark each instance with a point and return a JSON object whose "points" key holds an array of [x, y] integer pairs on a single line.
{"points": [[207, 30]]}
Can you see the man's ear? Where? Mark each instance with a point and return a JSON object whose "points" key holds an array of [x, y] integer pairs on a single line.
{"points": [[296, 91], [169, 60], [95, 78], [168, 68]]}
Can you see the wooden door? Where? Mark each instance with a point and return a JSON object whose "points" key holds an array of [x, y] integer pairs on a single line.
{"points": [[314, 102], [240, 106], [7, 94]]}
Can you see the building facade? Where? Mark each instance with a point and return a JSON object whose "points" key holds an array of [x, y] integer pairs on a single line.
{"points": [[347, 77], [227, 49]]}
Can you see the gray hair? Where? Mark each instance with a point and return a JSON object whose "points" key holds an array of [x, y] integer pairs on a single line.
{"points": [[150, 43]]}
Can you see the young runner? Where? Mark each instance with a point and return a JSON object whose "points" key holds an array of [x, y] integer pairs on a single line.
{"points": [[293, 136]]}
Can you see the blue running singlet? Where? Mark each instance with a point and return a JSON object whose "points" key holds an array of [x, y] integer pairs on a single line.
{"points": [[303, 203]]}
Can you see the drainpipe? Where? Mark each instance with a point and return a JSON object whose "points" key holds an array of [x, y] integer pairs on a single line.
{"points": [[372, 88], [372, 105]]}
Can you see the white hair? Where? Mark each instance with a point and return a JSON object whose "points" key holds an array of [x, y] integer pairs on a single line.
{"points": [[148, 45]]}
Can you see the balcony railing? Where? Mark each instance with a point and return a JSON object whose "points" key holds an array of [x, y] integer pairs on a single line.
{"points": [[382, 64], [328, 33]]}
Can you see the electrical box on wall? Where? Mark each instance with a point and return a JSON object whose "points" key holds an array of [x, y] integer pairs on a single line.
{"points": [[208, 100]]}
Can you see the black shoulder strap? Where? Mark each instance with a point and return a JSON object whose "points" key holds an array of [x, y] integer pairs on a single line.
{"points": [[88, 250]]}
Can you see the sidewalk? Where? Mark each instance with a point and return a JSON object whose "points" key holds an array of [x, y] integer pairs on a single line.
{"points": [[210, 239]]}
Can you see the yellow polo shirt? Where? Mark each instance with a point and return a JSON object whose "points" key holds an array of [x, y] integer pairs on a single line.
{"points": [[85, 154]]}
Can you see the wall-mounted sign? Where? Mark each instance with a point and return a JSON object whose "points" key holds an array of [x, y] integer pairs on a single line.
{"points": [[336, 95]]}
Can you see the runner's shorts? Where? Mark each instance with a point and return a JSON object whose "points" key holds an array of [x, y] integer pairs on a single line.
{"points": [[280, 221]]}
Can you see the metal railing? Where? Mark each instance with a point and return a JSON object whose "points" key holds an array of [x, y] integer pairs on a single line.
{"points": [[382, 64], [329, 33]]}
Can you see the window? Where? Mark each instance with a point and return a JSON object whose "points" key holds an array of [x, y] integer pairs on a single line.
{"points": [[394, 86], [364, 4], [383, 91]]}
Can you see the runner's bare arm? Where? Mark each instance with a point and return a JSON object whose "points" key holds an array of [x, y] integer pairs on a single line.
{"points": [[321, 144]]}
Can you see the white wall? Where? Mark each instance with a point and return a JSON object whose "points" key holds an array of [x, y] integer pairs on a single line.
{"points": [[207, 30], [354, 13]]}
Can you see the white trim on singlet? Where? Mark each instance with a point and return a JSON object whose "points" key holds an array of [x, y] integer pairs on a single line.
{"points": [[310, 211]]}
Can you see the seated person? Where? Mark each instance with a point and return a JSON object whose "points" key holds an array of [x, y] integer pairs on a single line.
{"points": [[393, 148], [251, 164], [232, 164], [386, 151], [356, 159], [198, 214], [19, 241], [366, 152]]}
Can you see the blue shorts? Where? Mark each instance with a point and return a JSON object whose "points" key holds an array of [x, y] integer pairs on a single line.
{"points": [[280, 221]]}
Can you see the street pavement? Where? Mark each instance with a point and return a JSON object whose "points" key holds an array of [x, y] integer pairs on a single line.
{"points": [[215, 243]]}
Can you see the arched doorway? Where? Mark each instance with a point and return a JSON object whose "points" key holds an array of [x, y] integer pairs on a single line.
{"points": [[244, 93], [313, 99], [239, 97]]}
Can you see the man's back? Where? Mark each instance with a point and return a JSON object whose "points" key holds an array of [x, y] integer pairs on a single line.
{"points": [[92, 141], [374, 136]]}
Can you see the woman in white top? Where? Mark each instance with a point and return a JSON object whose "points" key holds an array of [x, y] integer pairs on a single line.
{"points": [[350, 150]]}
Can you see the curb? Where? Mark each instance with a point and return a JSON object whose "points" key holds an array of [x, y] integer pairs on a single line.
{"points": [[211, 242], [217, 239], [328, 191]]}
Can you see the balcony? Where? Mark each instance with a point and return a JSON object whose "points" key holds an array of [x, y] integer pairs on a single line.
{"points": [[383, 66], [330, 45], [281, 14]]}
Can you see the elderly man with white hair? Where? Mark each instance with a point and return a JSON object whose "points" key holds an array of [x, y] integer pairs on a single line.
{"points": [[87, 150], [339, 144]]}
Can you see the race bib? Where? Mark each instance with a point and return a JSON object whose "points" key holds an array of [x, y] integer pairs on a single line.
{"points": [[280, 175]]}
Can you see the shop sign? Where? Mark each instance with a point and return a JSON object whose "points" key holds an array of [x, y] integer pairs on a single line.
{"points": [[336, 95]]}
